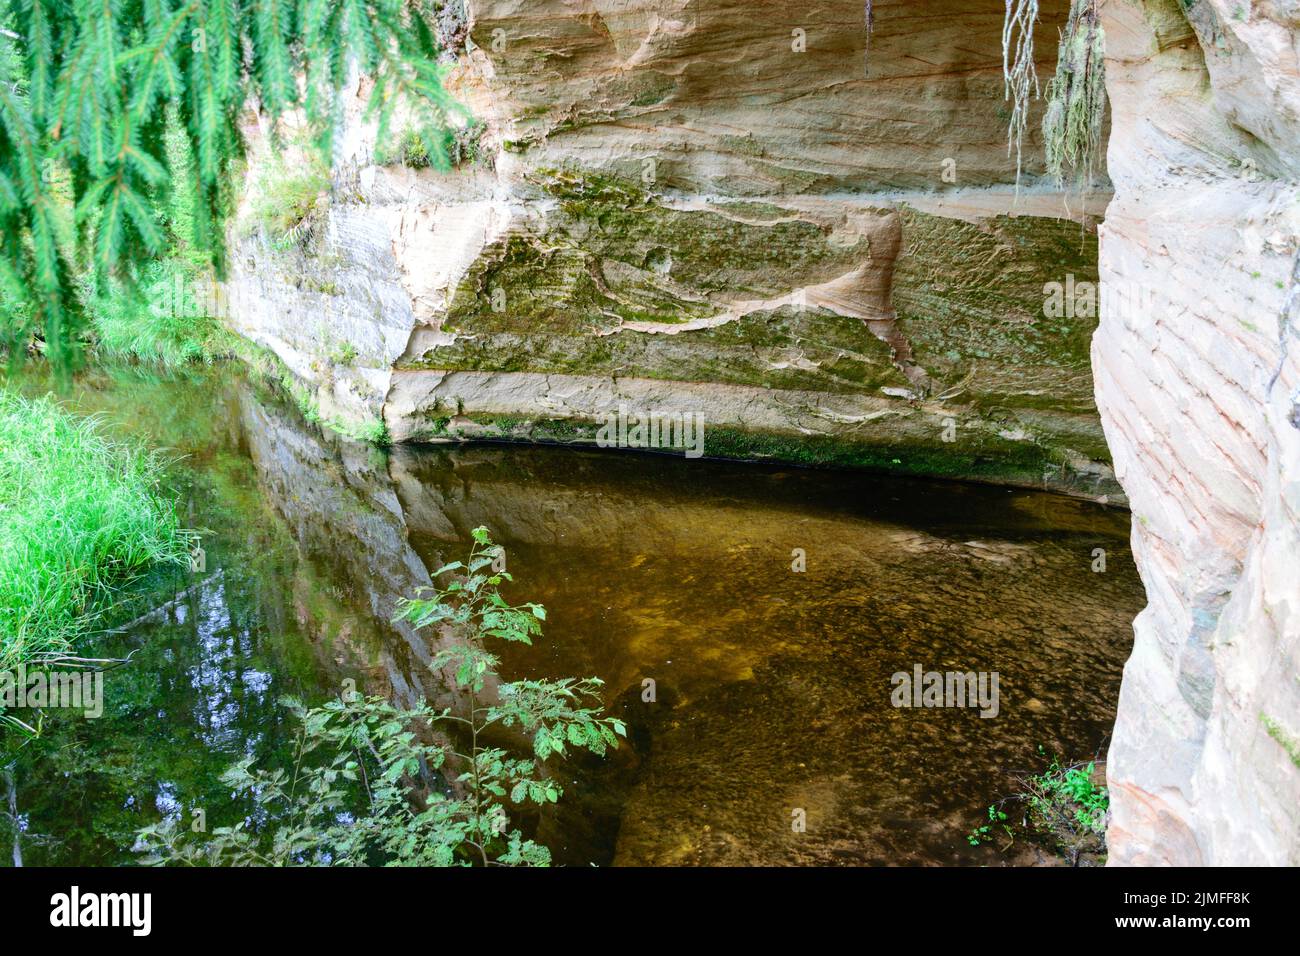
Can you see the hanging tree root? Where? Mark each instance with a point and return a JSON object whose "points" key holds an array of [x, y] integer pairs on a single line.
{"points": [[1076, 95], [1076, 99], [1018, 71]]}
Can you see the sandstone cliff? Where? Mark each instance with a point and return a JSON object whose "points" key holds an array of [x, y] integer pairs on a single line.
{"points": [[760, 214], [749, 210], [1198, 379]]}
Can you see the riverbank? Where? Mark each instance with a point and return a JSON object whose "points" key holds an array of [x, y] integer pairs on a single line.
{"points": [[81, 514]]}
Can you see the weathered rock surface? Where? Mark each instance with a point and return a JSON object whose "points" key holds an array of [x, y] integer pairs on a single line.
{"points": [[1197, 364], [674, 208], [672, 195]]}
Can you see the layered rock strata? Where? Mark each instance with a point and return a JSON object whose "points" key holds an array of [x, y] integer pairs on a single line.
{"points": [[808, 235]]}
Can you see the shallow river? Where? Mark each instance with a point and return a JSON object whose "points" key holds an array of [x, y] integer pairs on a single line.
{"points": [[772, 685]]}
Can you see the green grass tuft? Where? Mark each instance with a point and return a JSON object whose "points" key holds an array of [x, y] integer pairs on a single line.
{"points": [[162, 320], [1287, 742], [80, 515], [290, 199]]}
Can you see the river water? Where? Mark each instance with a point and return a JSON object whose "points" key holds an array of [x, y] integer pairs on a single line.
{"points": [[772, 685]]}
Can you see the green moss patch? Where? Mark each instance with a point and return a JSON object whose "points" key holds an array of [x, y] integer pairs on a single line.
{"points": [[970, 300], [790, 349]]}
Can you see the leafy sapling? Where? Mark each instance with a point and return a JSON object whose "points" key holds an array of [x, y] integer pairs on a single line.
{"points": [[375, 784]]}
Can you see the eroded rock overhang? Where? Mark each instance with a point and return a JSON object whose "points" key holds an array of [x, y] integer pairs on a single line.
{"points": [[810, 237]]}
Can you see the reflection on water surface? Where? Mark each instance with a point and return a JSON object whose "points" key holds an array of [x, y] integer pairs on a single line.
{"points": [[772, 685]]}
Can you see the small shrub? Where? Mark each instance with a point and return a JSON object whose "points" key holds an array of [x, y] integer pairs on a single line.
{"points": [[414, 152], [1062, 806], [375, 784], [410, 150], [290, 202], [446, 147], [463, 144]]}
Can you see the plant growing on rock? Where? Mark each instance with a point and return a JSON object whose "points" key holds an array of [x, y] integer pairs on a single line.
{"points": [[376, 784], [290, 202], [1076, 98], [1076, 94], [463, 143], [410, 151], [1063, 805], [457, 145]]}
